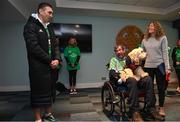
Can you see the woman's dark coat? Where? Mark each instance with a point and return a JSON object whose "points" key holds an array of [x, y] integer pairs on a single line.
{"points": [[42, 77]]}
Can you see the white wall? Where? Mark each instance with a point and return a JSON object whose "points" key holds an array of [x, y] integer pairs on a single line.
{"points": [[13, 62]]}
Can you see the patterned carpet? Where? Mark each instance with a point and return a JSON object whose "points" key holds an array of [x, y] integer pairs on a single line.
{"points": [[85, 106]]}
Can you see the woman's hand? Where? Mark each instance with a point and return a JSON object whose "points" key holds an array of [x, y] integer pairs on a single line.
{"points": [[168, 71]]}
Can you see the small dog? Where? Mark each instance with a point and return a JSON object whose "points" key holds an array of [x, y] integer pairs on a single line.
{"points": [[134, 62]]}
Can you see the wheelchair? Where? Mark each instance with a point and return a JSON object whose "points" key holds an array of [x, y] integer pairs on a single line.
{"points": [[109, 91]]}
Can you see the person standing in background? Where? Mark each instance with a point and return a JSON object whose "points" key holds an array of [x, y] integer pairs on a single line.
{"points": [[176, 62], [72, 55], [43, 59], [157, 62]]}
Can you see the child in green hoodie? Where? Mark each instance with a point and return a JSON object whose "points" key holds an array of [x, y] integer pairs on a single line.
{"points": [[72, 55]]}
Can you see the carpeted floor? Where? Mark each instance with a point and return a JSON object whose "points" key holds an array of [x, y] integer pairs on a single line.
{"points": [[85, 106]]}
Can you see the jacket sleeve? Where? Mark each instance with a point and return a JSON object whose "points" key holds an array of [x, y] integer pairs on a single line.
{"points": [[113, 75], [31, 39], [56, 50], [66, 56], [173, 56], [78, 57], [68, 62], [165, 52], [77, 60]]}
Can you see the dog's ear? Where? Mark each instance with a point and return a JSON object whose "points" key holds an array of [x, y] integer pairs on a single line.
{"points": [[132, 54]]}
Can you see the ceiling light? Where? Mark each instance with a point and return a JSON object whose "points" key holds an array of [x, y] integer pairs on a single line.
{"points": [[77, 26]]}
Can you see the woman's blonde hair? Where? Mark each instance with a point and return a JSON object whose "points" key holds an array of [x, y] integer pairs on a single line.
{"points": [[159, 31]]}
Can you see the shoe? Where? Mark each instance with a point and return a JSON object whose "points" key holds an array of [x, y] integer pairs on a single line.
{"points": [[49, 118], [155, 115], [178, 90], [71, 91], [136, 117], [74, 91], [116, 99], [162, 111]]}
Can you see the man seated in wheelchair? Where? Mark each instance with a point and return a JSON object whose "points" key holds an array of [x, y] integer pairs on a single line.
{"points": [[117, 64]]}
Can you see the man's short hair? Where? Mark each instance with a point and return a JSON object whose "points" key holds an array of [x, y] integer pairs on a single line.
{"points": [[43, 5], [117, 46]]}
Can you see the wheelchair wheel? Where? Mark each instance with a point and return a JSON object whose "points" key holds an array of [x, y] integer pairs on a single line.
{"points": [[107, 96]]}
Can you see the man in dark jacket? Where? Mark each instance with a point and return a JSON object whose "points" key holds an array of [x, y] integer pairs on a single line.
{"points": [[43, 58]]}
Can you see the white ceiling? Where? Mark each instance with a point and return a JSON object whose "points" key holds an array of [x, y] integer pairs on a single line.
{"points": [[142, 3], [19, 10]]}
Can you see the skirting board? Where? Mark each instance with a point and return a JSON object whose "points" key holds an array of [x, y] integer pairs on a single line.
{"points": [[27, 88]]}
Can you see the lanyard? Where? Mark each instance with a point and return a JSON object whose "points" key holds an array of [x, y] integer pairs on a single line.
{"points": [[49, 41]]}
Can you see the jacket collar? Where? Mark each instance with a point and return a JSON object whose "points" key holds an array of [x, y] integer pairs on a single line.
{"points": [[35, 19]]}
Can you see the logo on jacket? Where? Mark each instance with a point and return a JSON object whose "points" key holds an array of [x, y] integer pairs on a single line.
{"points": [[40, 30]]}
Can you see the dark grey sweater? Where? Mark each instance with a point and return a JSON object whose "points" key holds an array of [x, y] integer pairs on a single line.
{"points": [[157, 51]]}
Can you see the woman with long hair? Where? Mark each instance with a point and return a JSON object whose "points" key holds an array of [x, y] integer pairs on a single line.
{"points": [[157, 62]]}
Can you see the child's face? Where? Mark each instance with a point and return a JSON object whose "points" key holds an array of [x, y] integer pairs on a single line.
{"points": [[72, 41], [120, 52]]}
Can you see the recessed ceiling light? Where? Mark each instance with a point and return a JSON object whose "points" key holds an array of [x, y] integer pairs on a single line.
{"points": [[77, 26]]}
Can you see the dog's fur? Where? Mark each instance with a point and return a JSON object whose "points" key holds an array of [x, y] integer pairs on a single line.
{"points": [[134, 61]]}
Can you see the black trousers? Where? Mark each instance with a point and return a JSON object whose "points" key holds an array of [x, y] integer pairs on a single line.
{"points": [[72, 77], [178, 75], [134, 87], [160, 81]]}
